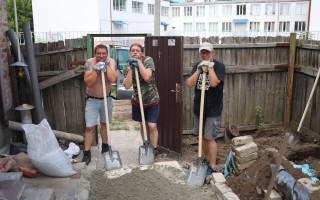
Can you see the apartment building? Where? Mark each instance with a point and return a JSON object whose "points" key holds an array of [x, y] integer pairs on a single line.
{"points": [[74, 18], [238, 17]]}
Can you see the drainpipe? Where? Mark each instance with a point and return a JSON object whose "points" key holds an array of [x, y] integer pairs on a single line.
{"points": [[3, 114], [33, 73], [11, 35]]}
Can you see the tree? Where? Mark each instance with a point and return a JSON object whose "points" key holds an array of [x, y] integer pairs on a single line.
{"points": [[24, 14]]}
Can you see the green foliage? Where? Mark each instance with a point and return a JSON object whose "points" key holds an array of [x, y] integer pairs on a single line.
{"points": [[305, 36], [24, 14], [259, 117]]}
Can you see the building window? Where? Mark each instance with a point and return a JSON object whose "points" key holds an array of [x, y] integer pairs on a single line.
{"points": [[213, 11], [188, 11], [150, 9], [213, 26], [187, 27], [164, 11], [201, 11], [241, 9], [226, 26], [299, 26], [119, 5], [255, 26], [270, 9], [175, 11], [226, 10], [255, 9], [284, 8], [301, 9], [269, 26], [137, 7], [284, 26], [200, 27]]}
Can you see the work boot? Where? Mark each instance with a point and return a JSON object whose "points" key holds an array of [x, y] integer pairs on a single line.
{"points": [[86, 157], [104, 148], [155, 154]]}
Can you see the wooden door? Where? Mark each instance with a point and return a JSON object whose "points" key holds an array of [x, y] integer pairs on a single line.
{"points": [[167, 53]]}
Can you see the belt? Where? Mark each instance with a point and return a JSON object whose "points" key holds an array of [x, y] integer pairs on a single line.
{"points": [[92, 97]]}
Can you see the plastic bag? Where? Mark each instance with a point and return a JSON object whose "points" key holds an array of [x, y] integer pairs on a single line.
{"points": [[44, 151], [288, 185]]}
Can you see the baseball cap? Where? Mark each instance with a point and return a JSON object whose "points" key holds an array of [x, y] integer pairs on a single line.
{"points": [[206, 46]]}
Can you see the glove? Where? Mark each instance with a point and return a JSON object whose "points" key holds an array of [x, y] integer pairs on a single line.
{"points": [[133, 62], [204, 66], [101, 66]]}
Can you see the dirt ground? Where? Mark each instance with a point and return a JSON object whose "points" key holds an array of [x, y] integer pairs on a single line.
{"points": [[169, 183]]}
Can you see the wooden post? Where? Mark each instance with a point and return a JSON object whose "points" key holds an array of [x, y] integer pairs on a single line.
{"points": [[277, 167], [292, 57]]}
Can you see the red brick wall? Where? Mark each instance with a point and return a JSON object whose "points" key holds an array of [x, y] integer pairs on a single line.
{"points": [[4, 51]]}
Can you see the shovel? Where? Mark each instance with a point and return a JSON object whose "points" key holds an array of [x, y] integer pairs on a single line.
{"points": [[198, 170], [112, 158], [294, 137], [146, 151]]}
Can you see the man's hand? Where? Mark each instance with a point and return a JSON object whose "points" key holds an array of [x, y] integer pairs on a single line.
{"points": [[133, 62], [101, 66], [204, 66]]}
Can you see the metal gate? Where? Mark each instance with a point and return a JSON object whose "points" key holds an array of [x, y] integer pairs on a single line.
{"points": [[167, 53]]}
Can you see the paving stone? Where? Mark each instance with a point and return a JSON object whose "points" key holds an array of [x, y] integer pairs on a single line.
{"points": [[11, 176], [218, 178], [274, 195], [245, 165], [38, 194], [247, 158], [241, 140], [246, 149], [221, 188]]}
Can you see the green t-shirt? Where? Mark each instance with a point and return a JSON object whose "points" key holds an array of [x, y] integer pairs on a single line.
{"points": [[149, 91]]}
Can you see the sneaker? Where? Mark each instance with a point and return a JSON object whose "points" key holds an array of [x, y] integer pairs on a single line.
{"points": [[210, 170], [86, 157], [104, 148]]}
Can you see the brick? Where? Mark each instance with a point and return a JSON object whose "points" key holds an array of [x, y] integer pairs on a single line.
{"points": [[241, 140], [218, 178], [245, 165], [246, 149], [11, 176], [221, 188], [38, 194], [230, 196], [247, 158]]}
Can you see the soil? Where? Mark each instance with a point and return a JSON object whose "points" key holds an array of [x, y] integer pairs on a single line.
{"points": [[161, 182]]}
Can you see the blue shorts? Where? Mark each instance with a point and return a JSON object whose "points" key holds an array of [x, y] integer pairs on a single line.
{"points": [[95, 109], [151, 113], [211, 127]]}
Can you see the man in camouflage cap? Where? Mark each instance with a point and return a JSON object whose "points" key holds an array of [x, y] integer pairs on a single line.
{"points": [[149, 91]]}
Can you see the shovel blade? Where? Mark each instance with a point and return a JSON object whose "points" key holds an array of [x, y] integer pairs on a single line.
{"points": [[146, 154], [112, 160], [294, 139], [197, 173]]}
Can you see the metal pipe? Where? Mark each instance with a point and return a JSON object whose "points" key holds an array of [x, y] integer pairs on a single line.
{"points": [[3, 115], [40, 115], [14, 43]]}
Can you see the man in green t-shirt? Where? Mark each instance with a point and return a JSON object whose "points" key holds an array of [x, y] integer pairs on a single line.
{"points": [[149, 91]]}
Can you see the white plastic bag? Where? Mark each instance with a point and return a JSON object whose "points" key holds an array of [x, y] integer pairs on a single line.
{"points": [[44, 151]]}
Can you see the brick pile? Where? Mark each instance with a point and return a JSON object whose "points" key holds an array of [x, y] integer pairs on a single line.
{"points": [[245, 151]]}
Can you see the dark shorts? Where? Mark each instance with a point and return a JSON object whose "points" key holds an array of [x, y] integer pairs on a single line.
{"points": [[151, 113]]}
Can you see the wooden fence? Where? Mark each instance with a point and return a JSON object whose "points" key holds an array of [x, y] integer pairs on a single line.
{"points": [[256, 77]]}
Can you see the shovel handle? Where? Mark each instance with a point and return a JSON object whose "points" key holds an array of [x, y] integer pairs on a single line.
{"points": [[310, 97], [141, 105], [105, 105], [204, 76]]}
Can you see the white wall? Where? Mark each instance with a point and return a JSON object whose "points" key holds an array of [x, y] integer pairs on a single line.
{"points": [[314, 16], [65, 15]]}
